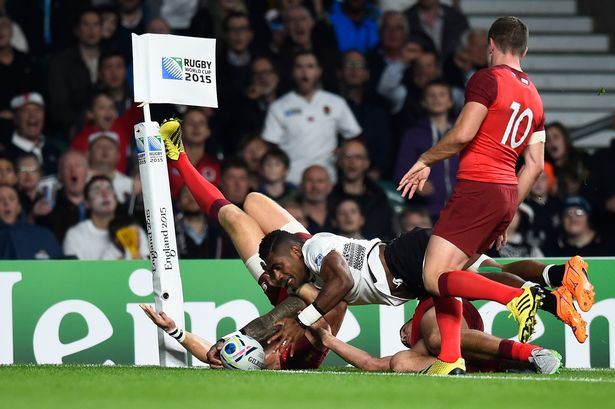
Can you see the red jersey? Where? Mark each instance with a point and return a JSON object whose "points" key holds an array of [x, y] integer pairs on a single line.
{"points": [[515, 118]]}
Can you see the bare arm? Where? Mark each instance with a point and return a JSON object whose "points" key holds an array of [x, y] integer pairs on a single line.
{"points": [[263, 327], [353, 355], [337, 281], [534, 156], [459, 136]]}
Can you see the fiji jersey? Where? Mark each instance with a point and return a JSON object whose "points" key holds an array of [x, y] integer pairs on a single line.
{"points": [[514, 120], [370, 282]]}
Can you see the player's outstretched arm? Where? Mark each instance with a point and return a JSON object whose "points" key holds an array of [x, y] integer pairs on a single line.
{"points": [[196, 345], [351, 354], [452, 143]]}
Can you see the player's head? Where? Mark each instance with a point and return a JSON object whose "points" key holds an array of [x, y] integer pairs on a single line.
{"points": [[283, 259], [508, 35], [405, 333]]}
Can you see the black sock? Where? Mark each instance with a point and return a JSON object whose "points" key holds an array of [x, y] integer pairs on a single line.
{"points": [[549, 303], [556, 274]]}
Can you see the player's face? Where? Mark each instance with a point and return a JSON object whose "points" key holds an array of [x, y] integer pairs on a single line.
{"points": [[437, 100], [286, 267], [405, 333], [306, 73], [195, 128]]}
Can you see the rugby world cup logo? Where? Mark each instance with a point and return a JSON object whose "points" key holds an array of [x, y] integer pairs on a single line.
{"points": [[154, 142], [172, 68]]}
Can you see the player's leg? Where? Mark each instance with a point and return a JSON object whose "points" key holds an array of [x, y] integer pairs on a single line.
{"points": [[271, 216]]}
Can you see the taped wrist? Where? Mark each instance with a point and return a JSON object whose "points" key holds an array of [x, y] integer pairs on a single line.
{"points": [[178, 333], [309, 315]]}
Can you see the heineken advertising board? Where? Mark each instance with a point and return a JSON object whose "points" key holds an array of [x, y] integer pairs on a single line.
{"points": [[88, 312]]}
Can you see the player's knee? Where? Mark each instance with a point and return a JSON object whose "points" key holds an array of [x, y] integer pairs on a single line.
{"points": [[231, 216], [252, 201], [431, 284], [433, 342]]}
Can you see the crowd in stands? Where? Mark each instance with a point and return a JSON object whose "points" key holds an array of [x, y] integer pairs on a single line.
{"points": [[323, 106]]}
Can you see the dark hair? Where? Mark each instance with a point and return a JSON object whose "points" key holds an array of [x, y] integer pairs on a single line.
{"points": [[234, 162], [94, 179], [438, 82], [413, 209], [83, 12], [347, 199], [273, 240], [232, 15], [28, 155], [5, 156], [97, 95], [302, 53], [108, 55], [276, 153], [510, 34]]}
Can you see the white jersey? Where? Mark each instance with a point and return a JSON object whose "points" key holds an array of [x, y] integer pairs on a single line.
{"points": [[370, 283]]}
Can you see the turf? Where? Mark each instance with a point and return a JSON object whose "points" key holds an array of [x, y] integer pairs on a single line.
{"points": [[147, 387]]}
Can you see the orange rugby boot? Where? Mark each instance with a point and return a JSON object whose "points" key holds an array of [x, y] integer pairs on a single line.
{"points": [[568, 314], [577, 282]]}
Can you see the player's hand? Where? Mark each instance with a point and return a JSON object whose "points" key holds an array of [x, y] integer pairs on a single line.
{"points": [[501, 241], [288, 335], [162, 320], [320, 336], [213, 355], [414, 179]]}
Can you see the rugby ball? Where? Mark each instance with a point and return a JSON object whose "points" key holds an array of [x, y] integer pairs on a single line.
{"points": [[242, 352]]}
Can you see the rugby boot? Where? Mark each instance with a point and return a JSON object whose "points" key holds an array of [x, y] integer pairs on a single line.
{"points": [[445, 368], [568, 314], [577, 281], [171, 133], [546, 361], [523, 309]]}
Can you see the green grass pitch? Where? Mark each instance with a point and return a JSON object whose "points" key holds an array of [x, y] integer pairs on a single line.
{"points": [[147, 387]]}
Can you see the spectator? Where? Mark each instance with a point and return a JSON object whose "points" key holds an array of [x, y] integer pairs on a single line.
{"points": [[17, 38], [263, 90], [219, 9], [235, 181], [195, 238], [69, 208], [296, 211], [179, 14], [236, 56], [29, 114], [19, 73], [103, 155], [348, 219], [273, 170], [8, 176], [428, 131], [195, 130], [443, 24], [134, 17], [91, 239], [102, 116], [353, 183], [469, 58], [577, 235], [158, 25], [73, 73], [571, 165], [112, 80], [28, 177], [304, 34], [545, 205], [355, 24], [109, 22], [21, 240], [314, 190], [520, 243], [305, 122], [370, 111], [252, 148], [414, 216], [128, 239]]}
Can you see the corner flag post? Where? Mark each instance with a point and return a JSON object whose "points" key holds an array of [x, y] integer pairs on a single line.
{"points": [[188, 78]]}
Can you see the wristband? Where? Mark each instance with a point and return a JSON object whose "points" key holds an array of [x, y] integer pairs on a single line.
{"points": [[177, 333], [309, 316]]}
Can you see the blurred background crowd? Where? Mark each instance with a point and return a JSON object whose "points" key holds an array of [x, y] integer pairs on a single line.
{"points": [[323, 107]]}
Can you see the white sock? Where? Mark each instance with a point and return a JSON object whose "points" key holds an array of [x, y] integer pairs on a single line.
{"points": [[294, 227], [253, 264], [545, 275]]}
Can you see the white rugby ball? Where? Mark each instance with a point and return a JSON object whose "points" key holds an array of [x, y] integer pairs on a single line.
{"points": [[242, 352]]}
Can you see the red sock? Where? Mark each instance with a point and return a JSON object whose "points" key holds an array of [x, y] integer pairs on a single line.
{"points": [[475, 287], [448, 315], [209, 198], [516, 350]]}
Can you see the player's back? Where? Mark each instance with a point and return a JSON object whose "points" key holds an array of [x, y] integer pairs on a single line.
{"points": [[515, 117]]}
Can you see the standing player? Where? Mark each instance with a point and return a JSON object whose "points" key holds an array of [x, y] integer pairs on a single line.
{"points": [[502, 118]]}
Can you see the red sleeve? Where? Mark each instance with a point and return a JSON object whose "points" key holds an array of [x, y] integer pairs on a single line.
{"points": [[540, 125], [482, 88]]}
